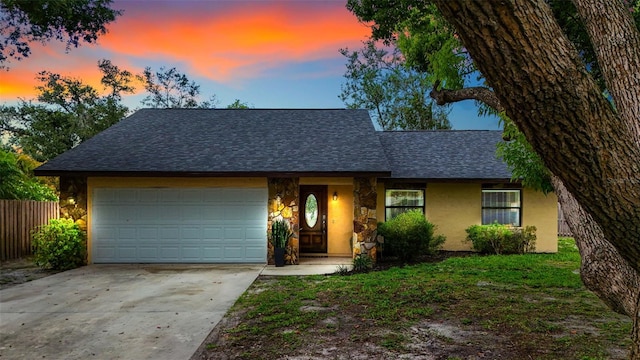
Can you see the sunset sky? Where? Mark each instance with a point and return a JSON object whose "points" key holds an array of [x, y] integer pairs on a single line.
{"points": [[270, 54]]}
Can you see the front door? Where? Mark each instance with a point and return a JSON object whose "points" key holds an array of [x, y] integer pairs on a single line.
{"points": [[313, 219]]}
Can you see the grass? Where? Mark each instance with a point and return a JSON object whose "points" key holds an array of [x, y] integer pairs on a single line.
{"points": [[532, 305]]}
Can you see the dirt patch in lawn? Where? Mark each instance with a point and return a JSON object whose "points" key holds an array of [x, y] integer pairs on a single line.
{"points": [[19, 271], [531, 307], [340, 335]]}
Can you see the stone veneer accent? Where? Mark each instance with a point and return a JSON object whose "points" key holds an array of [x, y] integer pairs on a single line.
{"points": [[284, 198], [73, 200], [365, 220]]}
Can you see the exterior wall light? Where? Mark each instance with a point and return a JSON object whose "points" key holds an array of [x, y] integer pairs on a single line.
{"points": [[335, 195]]}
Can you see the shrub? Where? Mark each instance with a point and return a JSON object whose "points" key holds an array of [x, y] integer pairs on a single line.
{"points": [[501, 239], [59, 245], [409, 235], [362, 263]]}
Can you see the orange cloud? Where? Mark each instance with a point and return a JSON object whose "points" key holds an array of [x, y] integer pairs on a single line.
{"points": [[223, 44], [225, 41]]}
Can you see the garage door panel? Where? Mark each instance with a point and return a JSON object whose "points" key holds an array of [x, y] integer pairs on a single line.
{"points": [[105, 251], [212, 233], [126, 196], [147, 214], [147, 196], [179, 225], [168, 233], [127, 253], [147, 252], [231, 233], [170, 253], [126, 233], [189, 233], [169, 196], [234, 253], [212, 252], [191, 253], [147, 233]]}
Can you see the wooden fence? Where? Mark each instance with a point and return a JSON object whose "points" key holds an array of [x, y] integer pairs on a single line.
{"points": [[17, 219]]}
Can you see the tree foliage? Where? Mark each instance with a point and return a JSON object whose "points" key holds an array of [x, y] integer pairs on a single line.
{"points": [[18, 182], [396, 95], [169, 88], [66, 112], [525, 164], [237, 104], [23, 22]]}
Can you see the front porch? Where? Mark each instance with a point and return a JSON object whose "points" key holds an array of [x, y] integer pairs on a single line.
{"points": [[331, 218]]}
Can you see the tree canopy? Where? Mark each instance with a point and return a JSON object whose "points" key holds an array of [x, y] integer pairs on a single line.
{"points": [[396, 95], [66, 112], [169, 88], [18, 182], [23, 22]]}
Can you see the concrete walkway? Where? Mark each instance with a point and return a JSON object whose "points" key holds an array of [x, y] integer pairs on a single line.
{"points": [[119, 311], [310, 266]]}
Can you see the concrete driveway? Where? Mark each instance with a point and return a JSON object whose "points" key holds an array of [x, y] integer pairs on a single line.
{"points": [[119, 311]]}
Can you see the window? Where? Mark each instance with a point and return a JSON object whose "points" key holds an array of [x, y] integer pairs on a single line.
{"points": [[402, 200], [311, 210], [501, 205]]}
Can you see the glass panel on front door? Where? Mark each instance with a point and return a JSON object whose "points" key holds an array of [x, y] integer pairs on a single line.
{"points": [[311, 210]]}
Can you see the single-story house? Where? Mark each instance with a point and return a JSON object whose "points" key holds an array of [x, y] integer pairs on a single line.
{"points": [[204, 185]]}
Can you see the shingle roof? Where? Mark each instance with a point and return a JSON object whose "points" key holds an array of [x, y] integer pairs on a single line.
{"points": [[255, 142], [229, 141], [444, 154]]}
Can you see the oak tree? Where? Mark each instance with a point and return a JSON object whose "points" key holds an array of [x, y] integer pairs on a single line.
{"points": [[526, 52]]}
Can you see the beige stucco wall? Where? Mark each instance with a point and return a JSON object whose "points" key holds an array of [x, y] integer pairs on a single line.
{"points": [[541, 211], [140, 182], [453, 207], [340, 220], [340, 212]]}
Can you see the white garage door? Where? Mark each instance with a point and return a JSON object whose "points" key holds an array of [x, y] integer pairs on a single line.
{"points": [[158, 225]]}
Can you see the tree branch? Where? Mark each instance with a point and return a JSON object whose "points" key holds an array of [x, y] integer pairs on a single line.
{"points": [[479, 93]]}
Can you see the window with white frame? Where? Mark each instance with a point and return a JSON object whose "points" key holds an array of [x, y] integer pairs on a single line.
{"points": [[398, 201], [503, 206]]}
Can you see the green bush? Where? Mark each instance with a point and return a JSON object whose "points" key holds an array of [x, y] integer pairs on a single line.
{"points": [[501, 239], [59, 245], [409, 235]]}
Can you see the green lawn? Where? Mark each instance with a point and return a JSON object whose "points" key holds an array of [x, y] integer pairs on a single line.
{"points": [[515, 306]]}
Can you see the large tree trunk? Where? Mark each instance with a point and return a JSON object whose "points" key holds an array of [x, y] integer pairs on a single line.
{"points": [[603, 270], [545, 89]]}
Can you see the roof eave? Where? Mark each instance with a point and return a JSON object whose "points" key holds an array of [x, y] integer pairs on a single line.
{"points": [[280, 174]]}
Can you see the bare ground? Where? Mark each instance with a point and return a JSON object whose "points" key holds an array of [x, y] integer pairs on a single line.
{"points": [[19, 271]]}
